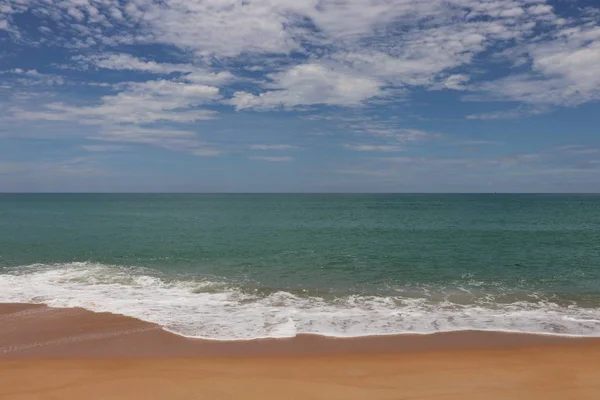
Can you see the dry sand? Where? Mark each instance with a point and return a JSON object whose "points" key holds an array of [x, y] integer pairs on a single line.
{"points": [[75, 354]]}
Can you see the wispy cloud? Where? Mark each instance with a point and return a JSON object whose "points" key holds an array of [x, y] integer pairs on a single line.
{"points": [[577, 149], [562, 73], [125, 62], [510, 114], [102, 148], [262, 78], [371, 46], [171, 139], [273, 159], [32, 77], [572, 159], [369, 147], [480, 143], [79, 166], [276, 147], [139, 103]]}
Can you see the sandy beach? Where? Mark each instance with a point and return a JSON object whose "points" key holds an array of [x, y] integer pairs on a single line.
{"points": [[48, 353]]}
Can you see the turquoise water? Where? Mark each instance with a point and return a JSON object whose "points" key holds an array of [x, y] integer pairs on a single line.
{"points": [[248, 266]]}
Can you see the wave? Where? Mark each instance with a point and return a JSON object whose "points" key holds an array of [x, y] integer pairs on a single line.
{"points": [[213, 308]]}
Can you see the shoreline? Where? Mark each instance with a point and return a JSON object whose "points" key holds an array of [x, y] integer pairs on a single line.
{"points": [[71, 353], [38, 331]]}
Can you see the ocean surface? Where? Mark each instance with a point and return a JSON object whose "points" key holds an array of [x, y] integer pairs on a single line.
{"points": [[232, 267]]}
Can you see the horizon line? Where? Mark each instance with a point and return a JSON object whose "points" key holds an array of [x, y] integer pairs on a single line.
{"points": [[302, 193]]}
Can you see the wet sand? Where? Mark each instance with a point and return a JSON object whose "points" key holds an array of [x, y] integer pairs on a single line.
{"points": [[50, 353]]}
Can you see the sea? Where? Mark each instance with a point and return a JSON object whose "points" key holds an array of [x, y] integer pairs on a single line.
{"points": [[248, 266]]}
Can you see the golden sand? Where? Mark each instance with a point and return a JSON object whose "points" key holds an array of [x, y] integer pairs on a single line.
{"points": [[74, 354]]}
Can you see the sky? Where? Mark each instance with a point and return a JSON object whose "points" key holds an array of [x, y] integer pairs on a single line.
{"points": [[299, 96]]}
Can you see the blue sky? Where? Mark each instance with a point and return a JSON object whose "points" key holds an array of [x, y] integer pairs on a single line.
{"points": [[300, 96]]}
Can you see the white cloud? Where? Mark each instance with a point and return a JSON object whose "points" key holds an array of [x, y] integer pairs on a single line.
{"points": [[171, 139], [310, 84], [225, 28], [383, 134], [454, 82], [509, 114], [140, 103], [557, 159], [564, 71], [190, 73], [128, 116], [345, 52], [131, 63], [577, 149], [76, 14], [369, 147], [103, 148], [433, 41], [400, 41], [399, 135], [228, 28], [209, 78], [511, 12], [398, 70], [540, 9], [266, 147], [273, 159], [574, 56], [32, 77], [479, 143]]}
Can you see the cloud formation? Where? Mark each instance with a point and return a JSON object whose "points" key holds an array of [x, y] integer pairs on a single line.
{"points": [[275, 159], [310, 84], [370, 147], [563, 69], [266, 147], [139, 103], [152, 70], [342, 52], [125, 62]]}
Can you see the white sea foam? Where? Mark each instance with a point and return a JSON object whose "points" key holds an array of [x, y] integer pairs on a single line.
{"points": [[214, 310]]}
